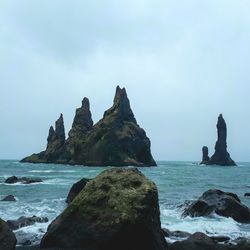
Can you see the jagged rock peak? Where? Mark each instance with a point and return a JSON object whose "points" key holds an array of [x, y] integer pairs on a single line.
{"points": [[60, 131], [121, 107], [83, 119], [85, 103], [120, 94], [222, 134], [51, 135]]}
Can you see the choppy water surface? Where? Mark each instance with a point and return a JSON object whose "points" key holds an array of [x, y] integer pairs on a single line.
{"points": [[176, 181]]}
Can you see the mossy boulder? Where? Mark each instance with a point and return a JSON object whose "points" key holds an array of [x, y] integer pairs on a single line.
{"points": [[7, 237], [76, 189], [117, 210]]}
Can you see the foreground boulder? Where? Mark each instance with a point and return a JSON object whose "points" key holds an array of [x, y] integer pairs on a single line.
{"points": [[221, 156], [221, 203], [76, 189], [25, 221], [22, 180], [117, 210], [116, 140], [7, 237]]}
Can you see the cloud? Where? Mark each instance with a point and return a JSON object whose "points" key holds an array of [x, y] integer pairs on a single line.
{"points": [[182, 62]]}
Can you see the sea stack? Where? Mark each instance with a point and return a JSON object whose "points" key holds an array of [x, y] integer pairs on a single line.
{"points": [[205, 157], [116, 140], [221, 156]]}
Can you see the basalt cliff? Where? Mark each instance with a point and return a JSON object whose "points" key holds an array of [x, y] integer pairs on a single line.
{"points": [[116, 140]]}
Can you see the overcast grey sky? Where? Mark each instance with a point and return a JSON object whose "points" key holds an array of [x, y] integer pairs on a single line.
{"points": [[182, 62]]}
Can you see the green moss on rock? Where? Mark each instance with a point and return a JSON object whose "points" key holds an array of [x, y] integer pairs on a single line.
{"points": [[117, 210]]}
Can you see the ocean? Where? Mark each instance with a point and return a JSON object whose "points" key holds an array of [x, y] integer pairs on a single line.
{"points": [[177, 182]]}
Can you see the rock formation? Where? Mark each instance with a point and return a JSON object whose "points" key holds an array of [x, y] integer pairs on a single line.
{"points": [[9, 198], [205, 157], [22, 180], [25, 221], [116, 210], [55, 145], [76, 189], [221, 156], [116, 140], [7, 237], [221, 203]]}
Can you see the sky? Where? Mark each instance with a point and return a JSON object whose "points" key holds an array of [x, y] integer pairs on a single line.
{"points": [[182, 62]]}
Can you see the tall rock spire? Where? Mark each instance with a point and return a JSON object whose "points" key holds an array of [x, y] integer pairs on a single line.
{"points": [[82, 121], [121, 109], [221, 156]]}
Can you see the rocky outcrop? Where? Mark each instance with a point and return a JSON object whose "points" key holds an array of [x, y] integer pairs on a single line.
{"points": [[9, 198], [200, 241], [55, 145], [221, 156], [23, 180], [221, 203], [25, 221], [176, 234], [116, 140], [205, 157], [7, 237], [117, 210], [76, 189]]}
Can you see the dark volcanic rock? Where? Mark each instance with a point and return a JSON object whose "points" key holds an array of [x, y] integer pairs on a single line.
{"points": [[76, 189], [7, 237], [177, 234], [247, 194], [116, 140], [200, 241], [205, 157], [22, 180], [117, 210], [25, 221], [224, 204], [197, 241], [221, 156], [55, 146], [9, 198], [82, 124]]}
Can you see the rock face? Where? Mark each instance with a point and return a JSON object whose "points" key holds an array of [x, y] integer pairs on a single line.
{"points": [[221, 203], [117, 210], [221, 156], [205, 157], [25, 221], [22, 180], [55, 145], [200, 241], [116, 140], [76, 189], [9, 198], [7, 237]]}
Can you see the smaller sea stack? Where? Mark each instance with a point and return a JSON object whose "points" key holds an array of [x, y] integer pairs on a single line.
{"points": [[205, 157], [221, 156]]}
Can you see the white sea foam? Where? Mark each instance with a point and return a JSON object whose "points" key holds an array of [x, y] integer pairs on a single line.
{"points": [[212, 225], [52, 171]]}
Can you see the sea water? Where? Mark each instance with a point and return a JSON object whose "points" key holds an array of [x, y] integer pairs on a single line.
{"points": [[177, 182]]}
